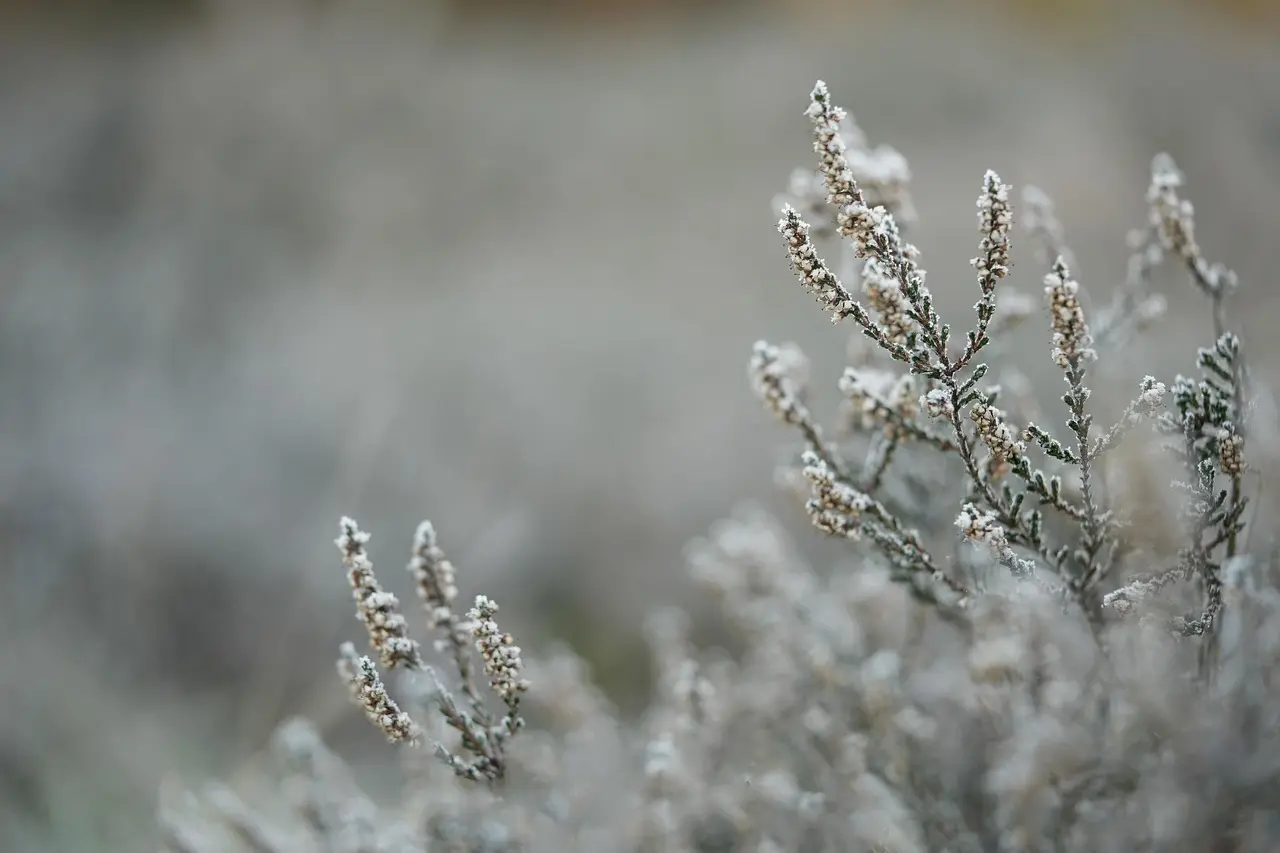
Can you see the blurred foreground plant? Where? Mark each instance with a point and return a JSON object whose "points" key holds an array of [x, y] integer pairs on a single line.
{"points": [[928, 696]]}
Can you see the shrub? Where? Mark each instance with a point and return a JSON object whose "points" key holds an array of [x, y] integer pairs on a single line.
{"points": [[1060, 686]]}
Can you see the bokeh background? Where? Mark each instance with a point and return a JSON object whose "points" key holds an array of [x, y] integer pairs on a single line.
{"points": [[499, 264]]}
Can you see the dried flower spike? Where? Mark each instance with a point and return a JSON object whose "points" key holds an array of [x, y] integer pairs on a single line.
{"points": [[369, 692], [1072, 342], [377, 609], [498, 650]]}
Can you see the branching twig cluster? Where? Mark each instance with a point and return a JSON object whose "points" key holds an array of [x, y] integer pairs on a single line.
{"points": [[483, 735], [957, 413]]}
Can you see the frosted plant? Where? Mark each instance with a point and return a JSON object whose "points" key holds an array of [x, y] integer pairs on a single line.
{"points": [[1016, 473], [981, 675], [484, 737]]}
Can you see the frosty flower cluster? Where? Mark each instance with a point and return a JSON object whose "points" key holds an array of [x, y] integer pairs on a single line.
{"points": [[377, 609], [997, 434], [368, 691], [779, 374], [811, 269], [433, 575], [995, 221], [498, 650], [878, 397], [886, 298], [981, 527], [1071, 339]]}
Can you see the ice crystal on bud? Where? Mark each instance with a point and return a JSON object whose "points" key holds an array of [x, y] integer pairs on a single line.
{"points": [[937, 403], [1231, 453], [1151, 399], [982, 527]]}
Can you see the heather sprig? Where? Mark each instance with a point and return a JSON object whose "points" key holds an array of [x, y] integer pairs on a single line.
{"points": [[1008, 492], [483, 735], [368, 691], [376, 608], [1208, 425]]}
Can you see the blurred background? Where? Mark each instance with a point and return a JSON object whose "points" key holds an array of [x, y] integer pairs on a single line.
{"points": [[499, 264]]}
